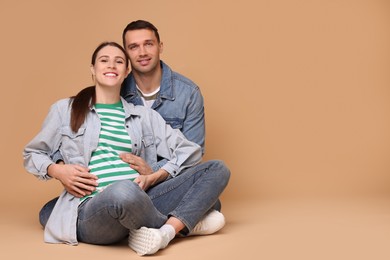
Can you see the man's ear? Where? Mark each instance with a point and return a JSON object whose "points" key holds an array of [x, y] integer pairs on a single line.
{"points": [[161, 47]]}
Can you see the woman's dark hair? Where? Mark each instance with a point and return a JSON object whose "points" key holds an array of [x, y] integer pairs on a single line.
{"points": [[139, 25], [87, 97]]}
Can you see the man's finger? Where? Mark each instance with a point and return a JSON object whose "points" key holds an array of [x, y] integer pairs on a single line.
{"points": [[128, 157]]}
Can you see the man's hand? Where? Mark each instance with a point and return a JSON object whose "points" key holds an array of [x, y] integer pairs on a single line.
{"points": [[147, 181], [136, 163], [77, 180]]}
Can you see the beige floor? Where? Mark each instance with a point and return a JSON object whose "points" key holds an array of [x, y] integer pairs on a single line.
{"points": [[259, 229]]}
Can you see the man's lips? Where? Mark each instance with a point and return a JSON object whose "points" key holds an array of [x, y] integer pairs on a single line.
{"points": [[144, 62]]}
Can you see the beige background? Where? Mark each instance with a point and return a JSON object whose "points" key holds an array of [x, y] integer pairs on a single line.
{"points": [[297, 104]]}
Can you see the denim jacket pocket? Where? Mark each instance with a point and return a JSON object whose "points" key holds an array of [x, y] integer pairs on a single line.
{"points": [[72, 144], [149, 151], [147, 140]]}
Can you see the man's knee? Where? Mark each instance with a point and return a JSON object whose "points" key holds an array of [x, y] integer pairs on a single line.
{"points": [[219, 167]]}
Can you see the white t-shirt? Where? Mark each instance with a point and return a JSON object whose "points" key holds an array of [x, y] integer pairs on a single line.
{"points": [[149, 98]]}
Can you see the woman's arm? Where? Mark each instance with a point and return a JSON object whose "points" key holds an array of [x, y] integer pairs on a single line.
{"points": [[37, 152], [76, 179]]}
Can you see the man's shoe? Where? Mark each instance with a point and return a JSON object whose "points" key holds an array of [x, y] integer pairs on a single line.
{"points": [[211, 223]]}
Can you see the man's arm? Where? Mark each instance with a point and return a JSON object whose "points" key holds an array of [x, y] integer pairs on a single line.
{"points": [[194, 123], [193, 129]]}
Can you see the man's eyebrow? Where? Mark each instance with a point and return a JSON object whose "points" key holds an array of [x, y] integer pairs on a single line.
{"points": [[136, 43], [132, 44]]}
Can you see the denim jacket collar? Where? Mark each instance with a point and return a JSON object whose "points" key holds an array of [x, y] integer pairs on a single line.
{"points": [[129, 88], [128, 108]]}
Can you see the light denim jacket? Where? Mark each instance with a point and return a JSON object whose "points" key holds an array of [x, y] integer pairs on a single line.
{"points": [[179, 102], [151, 138]]}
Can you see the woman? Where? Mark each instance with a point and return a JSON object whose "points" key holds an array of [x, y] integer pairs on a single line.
{"points": [[93, 131]]}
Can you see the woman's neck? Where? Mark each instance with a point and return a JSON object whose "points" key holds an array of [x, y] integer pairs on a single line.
{"points": [[107, 95]]}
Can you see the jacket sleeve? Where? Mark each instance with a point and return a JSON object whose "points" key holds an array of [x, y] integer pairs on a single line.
{"points": [[174, 146], [194, 123], [37, 153]]}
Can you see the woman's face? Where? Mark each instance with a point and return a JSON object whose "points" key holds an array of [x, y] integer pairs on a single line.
{"points": [[110, 67]]}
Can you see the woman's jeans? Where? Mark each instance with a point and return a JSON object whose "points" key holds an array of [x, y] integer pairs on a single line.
{"points": [[108, 216]]}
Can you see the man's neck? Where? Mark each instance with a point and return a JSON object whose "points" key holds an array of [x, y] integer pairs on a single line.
{"points": [[148, 83]]}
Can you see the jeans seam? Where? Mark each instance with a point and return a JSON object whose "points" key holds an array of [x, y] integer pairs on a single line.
{"points": [[170, 188]]}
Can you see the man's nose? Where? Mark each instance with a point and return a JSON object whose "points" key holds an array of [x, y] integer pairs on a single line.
{"points": [[142, 50]]}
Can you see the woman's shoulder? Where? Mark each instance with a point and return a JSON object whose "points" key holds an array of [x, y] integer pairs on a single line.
{"points": [[136, 109], [63, 103], [142, 111]]}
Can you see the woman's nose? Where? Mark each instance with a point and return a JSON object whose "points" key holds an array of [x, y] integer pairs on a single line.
{"points": [[111, 64]]}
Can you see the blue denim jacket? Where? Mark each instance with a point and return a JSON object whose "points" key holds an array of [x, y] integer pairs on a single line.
{"points": [[179, 102], [151, 137]]}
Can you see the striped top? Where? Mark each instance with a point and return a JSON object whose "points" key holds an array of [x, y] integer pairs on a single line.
{"points": [[113, 140]]}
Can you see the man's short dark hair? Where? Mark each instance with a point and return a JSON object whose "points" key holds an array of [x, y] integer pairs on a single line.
{"points": [[138, 25]]}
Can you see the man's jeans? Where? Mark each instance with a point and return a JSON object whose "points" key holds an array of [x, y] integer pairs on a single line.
{"points": [[123, 206]]}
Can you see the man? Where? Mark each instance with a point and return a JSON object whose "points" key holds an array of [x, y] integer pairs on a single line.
{"points": [[152, 83]]}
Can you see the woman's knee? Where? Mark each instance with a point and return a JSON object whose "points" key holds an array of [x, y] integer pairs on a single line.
{"points": [[124, 192], [46, 210]]}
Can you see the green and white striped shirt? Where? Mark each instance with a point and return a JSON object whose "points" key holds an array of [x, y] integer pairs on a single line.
{"points": [[113, 140]]}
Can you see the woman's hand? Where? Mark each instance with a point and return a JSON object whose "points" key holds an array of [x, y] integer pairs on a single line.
{"points": [[77, 180]]}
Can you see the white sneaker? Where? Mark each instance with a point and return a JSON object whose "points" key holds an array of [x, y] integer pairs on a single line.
{"points": [[146, 241], [211, 223]]}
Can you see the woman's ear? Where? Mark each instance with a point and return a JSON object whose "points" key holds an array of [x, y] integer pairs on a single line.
{"points": [[92, 70]]}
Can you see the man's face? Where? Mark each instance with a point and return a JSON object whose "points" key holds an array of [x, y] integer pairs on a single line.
{"points": [[143, 50]]}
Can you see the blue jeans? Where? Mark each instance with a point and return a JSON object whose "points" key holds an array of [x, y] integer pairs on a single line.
{"points": [[108, 217]]}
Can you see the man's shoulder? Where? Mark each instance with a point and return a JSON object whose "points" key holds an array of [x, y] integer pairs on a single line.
{"points": [[177, 78], [183, 79]]}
